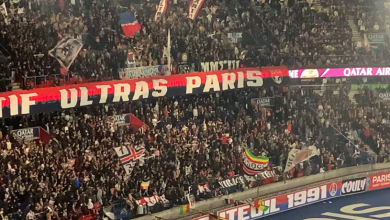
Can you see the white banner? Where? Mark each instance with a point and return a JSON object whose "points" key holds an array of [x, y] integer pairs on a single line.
{"points": [[298, 156], [194, 8], [3, 10], [162, 7], [219, 65], [144, 71]]}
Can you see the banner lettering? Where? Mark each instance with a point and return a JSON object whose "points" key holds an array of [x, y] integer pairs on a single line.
{"points": [[145, 71], [339, 72], [264, 102], [284, 202], [219, 65], [67, 97], [162, 7], [194, 8], [375, 38], [354, 186]]}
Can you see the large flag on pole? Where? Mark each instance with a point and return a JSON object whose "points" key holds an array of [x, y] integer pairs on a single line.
{"points": [[296, 156], [129, 24], [169, 52], [66, 51], [3, 11], [194, 8], [162, 7], [128, 156]]}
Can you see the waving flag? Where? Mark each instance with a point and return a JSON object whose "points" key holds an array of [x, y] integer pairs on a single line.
{"points": [[3, 10], [162, 7], [296, 156], [66, 51], [260, 206], [145, 185], [194, 8], [253, 164], [129, 24], [128, 156]]}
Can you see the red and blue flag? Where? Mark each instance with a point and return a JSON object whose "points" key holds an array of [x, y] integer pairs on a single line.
{"points": [[129, 24]]}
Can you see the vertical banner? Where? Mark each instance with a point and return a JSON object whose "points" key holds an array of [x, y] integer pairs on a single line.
{"points": [[162, 7], [169, 52], [3, 11], [194, 8]]}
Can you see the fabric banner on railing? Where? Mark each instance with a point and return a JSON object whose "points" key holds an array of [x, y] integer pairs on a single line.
{"points": [[145, 71]]}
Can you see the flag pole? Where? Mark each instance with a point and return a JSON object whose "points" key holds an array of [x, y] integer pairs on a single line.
{"points": [[169, 52]]}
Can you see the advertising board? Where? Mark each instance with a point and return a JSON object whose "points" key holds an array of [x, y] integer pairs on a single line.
{"points": [[329, 190], [339, 72], [284, 202], [378, 181]]}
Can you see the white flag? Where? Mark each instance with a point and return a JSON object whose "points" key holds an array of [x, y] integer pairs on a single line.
{"points": [[298, 156], [162, 7], [194, 8], [3, 10]]}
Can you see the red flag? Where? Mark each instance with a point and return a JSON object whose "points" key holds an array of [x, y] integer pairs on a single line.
{"points": [[136, 123]]}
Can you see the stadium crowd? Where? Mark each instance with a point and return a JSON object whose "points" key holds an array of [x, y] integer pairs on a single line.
{"points": [[190, 141], [274, 32]]}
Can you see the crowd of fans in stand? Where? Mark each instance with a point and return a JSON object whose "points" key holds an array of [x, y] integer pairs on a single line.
{"points": [[79, 172], [282, 33]]}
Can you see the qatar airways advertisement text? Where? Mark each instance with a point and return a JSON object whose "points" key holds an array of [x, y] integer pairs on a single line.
{"points": [[339, 72]]}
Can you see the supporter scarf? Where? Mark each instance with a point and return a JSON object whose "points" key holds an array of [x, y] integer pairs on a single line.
{"points": [[194, 8], [162, 7]]}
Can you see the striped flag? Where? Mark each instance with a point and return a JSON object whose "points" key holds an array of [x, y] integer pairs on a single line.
{"points": [[184, 208], [194, 8], [162, 7]]}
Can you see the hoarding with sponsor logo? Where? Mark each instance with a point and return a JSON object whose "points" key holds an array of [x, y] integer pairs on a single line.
{"points": [[284, 202], [340, 72], [308, 196], [378, 181], [77, 95], [377, 38], [382, 96], [355, 185], [264, 102]]}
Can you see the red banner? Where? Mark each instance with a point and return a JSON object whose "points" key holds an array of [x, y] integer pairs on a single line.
{"points": [[77, 95], [379, 181]]}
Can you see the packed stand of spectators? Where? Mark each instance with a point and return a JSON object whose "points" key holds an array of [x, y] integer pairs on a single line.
{"points": [[191, 140], [283, 33], [370, 16]]}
